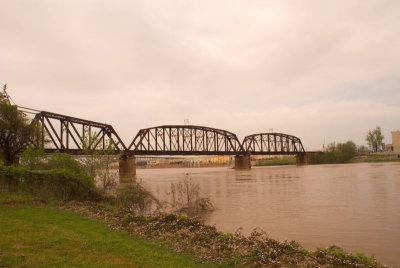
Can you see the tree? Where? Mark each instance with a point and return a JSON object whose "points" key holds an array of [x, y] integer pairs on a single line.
{"points": [[335, 153], [16, 132], [362, 149], [375, 138], [346, 151], [99, 160]]}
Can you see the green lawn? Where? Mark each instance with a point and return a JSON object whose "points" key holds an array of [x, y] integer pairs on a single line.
{"points": [[44, 237]]}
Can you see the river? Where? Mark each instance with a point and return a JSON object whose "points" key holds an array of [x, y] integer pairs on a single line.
{"points": [[355, 206]]}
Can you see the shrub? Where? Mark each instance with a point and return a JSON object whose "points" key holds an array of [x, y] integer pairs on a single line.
{"points": [[336, 153], [186, 197], [66, 162], [136, 199], [33, 159], [47, 184]]}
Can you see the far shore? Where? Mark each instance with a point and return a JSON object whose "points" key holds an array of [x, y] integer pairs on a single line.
{"points": [[367, 158]]}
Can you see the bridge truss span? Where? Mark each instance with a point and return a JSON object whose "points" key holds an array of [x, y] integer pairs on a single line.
{"points": [[185, 140], [61, 133], [76, 136], [272, 144]]}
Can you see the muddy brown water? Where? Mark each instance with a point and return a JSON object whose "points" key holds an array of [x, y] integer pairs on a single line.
{"points": [[355, 206]]}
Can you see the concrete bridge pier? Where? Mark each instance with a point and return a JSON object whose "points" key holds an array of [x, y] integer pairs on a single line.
{"points": [[127, 169], [301, 159], [242, 162]]}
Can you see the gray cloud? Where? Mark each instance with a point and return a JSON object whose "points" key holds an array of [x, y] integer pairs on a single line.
{"points": [[315, 69]]}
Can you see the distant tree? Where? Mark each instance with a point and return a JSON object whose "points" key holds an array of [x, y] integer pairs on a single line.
{"points": [[375, 138], [335, 153], [331, 147], [346, 151], [362, 149], [16, 132]]}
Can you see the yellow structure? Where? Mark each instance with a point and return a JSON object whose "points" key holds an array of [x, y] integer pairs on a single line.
{"points": [[396, 141]]}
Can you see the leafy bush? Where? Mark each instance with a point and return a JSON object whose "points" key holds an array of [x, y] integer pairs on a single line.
{"points": [[335, 256], [33, 159], [336, 153], [136, 199], [66, 162], [58, 184]]}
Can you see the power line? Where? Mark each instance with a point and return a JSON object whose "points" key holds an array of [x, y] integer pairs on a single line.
{"points": [[23, 109]]}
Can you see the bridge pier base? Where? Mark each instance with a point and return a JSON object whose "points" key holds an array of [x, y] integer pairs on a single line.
{"points": [[242, 162], [127, 169], [301, 159]]}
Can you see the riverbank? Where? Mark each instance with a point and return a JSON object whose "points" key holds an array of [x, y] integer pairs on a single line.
{"points": [[191, 236], [200, 165], [42, 236], [368, 158], [91, 234], [276, 161], [377, 157]]}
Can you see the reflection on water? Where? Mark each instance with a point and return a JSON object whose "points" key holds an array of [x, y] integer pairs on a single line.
{"points": [[356, 206]]}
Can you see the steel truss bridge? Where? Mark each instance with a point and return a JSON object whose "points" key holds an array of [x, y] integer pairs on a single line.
{"points": [[61, 133]]}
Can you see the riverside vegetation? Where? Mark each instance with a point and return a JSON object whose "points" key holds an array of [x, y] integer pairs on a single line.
{"points": [[336, 153], [41, 205]]}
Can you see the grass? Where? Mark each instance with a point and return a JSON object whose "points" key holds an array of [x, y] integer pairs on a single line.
{"points": [[276, 161], [377, 157], [32, 236], [16, 198]]}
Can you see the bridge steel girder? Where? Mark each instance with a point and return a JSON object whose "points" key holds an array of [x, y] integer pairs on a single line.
{"points": [[76, 136], [272, 144], [185, 140], [70, 134]]}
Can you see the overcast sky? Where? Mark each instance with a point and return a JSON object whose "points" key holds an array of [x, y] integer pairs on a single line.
{"points": [[319, 70]]}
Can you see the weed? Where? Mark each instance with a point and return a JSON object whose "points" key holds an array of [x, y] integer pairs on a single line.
{"points": [[190, 235], [186, 197]]}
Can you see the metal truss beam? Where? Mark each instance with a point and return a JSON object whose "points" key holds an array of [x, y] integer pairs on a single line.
{"points": [[272, 144], [76, 136], [79, 136], [185, 140]]}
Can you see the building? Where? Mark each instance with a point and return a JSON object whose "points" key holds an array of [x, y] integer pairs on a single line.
{"points": [[388, 147], [396, 141]]}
